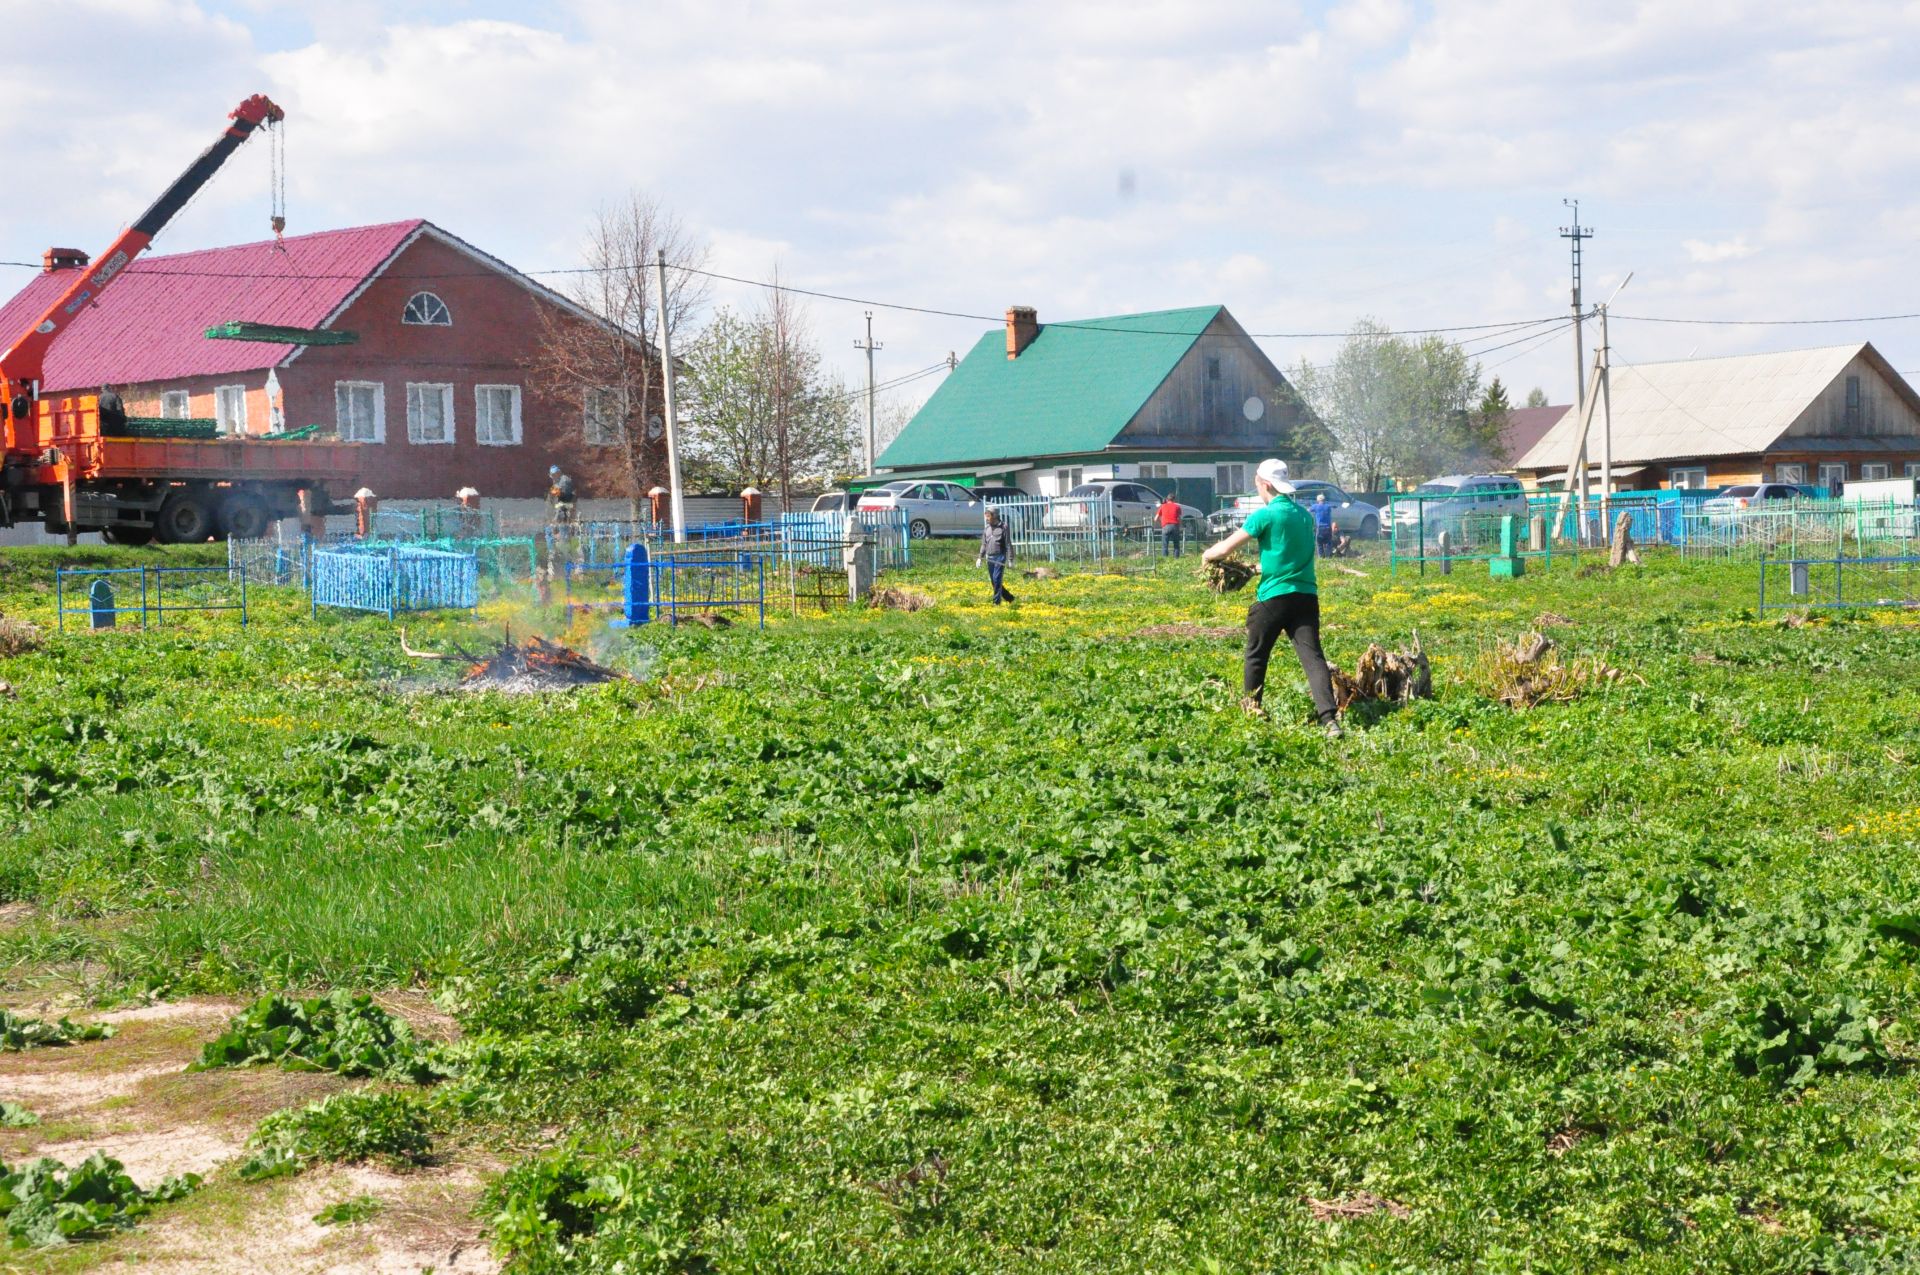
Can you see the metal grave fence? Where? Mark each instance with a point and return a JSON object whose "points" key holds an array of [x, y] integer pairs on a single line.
{"points": [[193, 589], [1062, 528], [1445, 527], [389, 579], [1801, 530], [644, 586], [1788, 583]]}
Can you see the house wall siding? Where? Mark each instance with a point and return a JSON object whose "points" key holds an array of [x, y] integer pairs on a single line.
{"points": [[1193, 409], [1883, 412]]}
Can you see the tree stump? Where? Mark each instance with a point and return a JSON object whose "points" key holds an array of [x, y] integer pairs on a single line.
{"points": [[1393, 677]]}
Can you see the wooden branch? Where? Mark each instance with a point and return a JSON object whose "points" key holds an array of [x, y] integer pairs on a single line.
{"points": [[420, 655]]}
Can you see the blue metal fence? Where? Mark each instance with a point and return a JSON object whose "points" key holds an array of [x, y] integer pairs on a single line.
{"points": [[194, 589], [392, 578]]}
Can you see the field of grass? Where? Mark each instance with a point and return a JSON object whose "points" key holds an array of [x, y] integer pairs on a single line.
{"points": [[984, 939]]}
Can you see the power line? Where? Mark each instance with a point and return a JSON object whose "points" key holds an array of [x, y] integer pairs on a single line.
{"points": [[1766, 323]]}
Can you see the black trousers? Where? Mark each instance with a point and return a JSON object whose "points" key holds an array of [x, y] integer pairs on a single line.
{"points": [[1298, 616]]}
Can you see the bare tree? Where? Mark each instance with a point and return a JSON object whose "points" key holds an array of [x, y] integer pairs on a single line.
{"points": [[608, 373]]}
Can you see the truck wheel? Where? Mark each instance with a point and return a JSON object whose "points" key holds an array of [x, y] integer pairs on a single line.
{"points": [[127, 535], [185, 519], [244, 516]]}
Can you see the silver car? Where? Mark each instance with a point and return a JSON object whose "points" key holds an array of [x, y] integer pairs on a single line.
{"points": [[932, 507], [1136, 507], [1467, 506], [1350, 517]]}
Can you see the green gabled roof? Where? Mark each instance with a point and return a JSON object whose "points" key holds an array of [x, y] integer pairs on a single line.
{"points": [[1073, 389]]}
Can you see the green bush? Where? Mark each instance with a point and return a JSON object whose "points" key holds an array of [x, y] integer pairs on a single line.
{"points": [[20, 1032], [390, 1127], [338, 1032], [45, 1203], [574, 1210]]}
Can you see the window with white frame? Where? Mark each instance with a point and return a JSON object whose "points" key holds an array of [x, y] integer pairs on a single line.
{"points": [[1911, 469], [424, 310], [1694, 479], [1154, 471], [1832, 474], [1230, 480], [360, 411], [1790, 472], [429, 412], [230, 409], [606, 414], [176, 405], [1066, 480], [1871, 470], [496, 415]]}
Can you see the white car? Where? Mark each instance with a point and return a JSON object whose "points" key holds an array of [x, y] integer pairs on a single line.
{"points": [[1350, 517], [1136, 507], [933, 508], [1467, 506]]}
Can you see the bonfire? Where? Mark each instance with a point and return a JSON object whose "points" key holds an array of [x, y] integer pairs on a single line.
{"points": [[536, 665]]}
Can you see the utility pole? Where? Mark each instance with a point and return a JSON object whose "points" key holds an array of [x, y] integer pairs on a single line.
{"points": [[675, 502], [1576, 233], [1606, 428], [873, 448]]}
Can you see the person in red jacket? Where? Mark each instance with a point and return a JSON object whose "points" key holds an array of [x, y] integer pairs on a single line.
{"points": [[1167, 514]]}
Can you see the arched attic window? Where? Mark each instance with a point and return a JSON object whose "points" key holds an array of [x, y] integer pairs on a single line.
{"points": [[426, 310]]}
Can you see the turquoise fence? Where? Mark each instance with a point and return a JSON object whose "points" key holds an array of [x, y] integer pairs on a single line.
{"points": [[393, 578]]}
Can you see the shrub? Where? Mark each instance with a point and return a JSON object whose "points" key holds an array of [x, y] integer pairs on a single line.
{"points": [[390, 1127], [46, 1203], [20, 1032], [338, 1032]]}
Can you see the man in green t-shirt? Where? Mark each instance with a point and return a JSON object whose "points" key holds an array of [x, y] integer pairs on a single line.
{"points": [[1288, 600]]}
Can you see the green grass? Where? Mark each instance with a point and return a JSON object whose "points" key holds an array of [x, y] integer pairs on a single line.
{"points": [[983, 939]]}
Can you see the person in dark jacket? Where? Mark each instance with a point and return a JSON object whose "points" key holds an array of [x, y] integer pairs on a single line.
{"points": [[561, 502], [996, 550]]}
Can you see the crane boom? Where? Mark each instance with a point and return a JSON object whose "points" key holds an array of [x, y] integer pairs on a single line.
{"points": [[21, 362]]}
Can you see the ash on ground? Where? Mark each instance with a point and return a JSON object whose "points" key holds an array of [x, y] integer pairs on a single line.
{"points": [[537, 665]]}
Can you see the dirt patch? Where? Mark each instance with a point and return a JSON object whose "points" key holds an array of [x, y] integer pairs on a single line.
{"points": [[1566, 1140], [15, 915], [1360, 1204], [1185, 629], [1551, 620]]}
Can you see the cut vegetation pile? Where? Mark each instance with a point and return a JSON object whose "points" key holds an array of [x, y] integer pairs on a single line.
{"points": [[1228, 575], [1532, 672], [1390, 677], [536, 665], [894, 598]]}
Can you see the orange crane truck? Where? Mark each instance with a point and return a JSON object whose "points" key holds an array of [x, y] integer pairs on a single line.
{"points": [[60, 467]]}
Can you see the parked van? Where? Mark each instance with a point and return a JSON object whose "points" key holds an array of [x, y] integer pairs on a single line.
{"points": [[1467, 506]]}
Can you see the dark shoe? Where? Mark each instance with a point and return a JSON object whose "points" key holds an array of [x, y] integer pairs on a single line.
{"points": [[1007, 597]]}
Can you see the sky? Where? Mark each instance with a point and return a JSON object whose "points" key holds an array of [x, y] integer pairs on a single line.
{"points": [[1304, 164]]}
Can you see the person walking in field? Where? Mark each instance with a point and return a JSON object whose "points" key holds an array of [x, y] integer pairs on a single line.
{"points": [[996, 550], [1167, 514], [1288, 600], [1323, 525]]}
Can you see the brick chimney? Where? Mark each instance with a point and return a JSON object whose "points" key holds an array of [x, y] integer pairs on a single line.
{"points": [[1022, 326], [63, 259]]}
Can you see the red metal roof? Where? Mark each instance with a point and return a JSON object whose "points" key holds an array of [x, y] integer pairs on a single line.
{"points": [[1527, 426], [151, 324]]}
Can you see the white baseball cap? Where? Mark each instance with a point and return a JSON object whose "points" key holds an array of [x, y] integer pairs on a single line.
{"points": [[1274, 474]]}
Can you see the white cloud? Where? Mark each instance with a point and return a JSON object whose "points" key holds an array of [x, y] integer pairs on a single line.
{"points": [[1724, 250], [1302, 166]]}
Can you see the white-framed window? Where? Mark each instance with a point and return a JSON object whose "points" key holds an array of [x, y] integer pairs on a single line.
{"points": [[1693, 479], [1150, 472], [1832, 474], [425, 310], [176, 405], [1065, 480], [1790, 472], [606, 414], [360, 411], [1872, 469], [230, 409], [496, 415], [429, 412], [1911, 469], [1230, 480]]}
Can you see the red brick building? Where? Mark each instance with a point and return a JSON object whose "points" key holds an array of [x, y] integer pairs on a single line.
{"points": [[441, 384]]}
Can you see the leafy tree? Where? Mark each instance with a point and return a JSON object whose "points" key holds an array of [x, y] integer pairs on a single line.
{"points": [[1536, 397], [1398, 407], [763, 412]]}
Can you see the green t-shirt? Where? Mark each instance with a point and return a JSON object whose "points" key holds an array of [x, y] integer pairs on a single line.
{"points": [[1285, 533]]}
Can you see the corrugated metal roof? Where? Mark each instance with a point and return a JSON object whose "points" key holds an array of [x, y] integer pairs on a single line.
{"points": [[150, 325], [1702, 407], [1527, 426], [1073, 388]]}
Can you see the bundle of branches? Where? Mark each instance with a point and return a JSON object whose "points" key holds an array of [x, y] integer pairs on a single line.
{"points": [[1393, 677], [893, 598], [1229, 575], [1531, 671]]}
